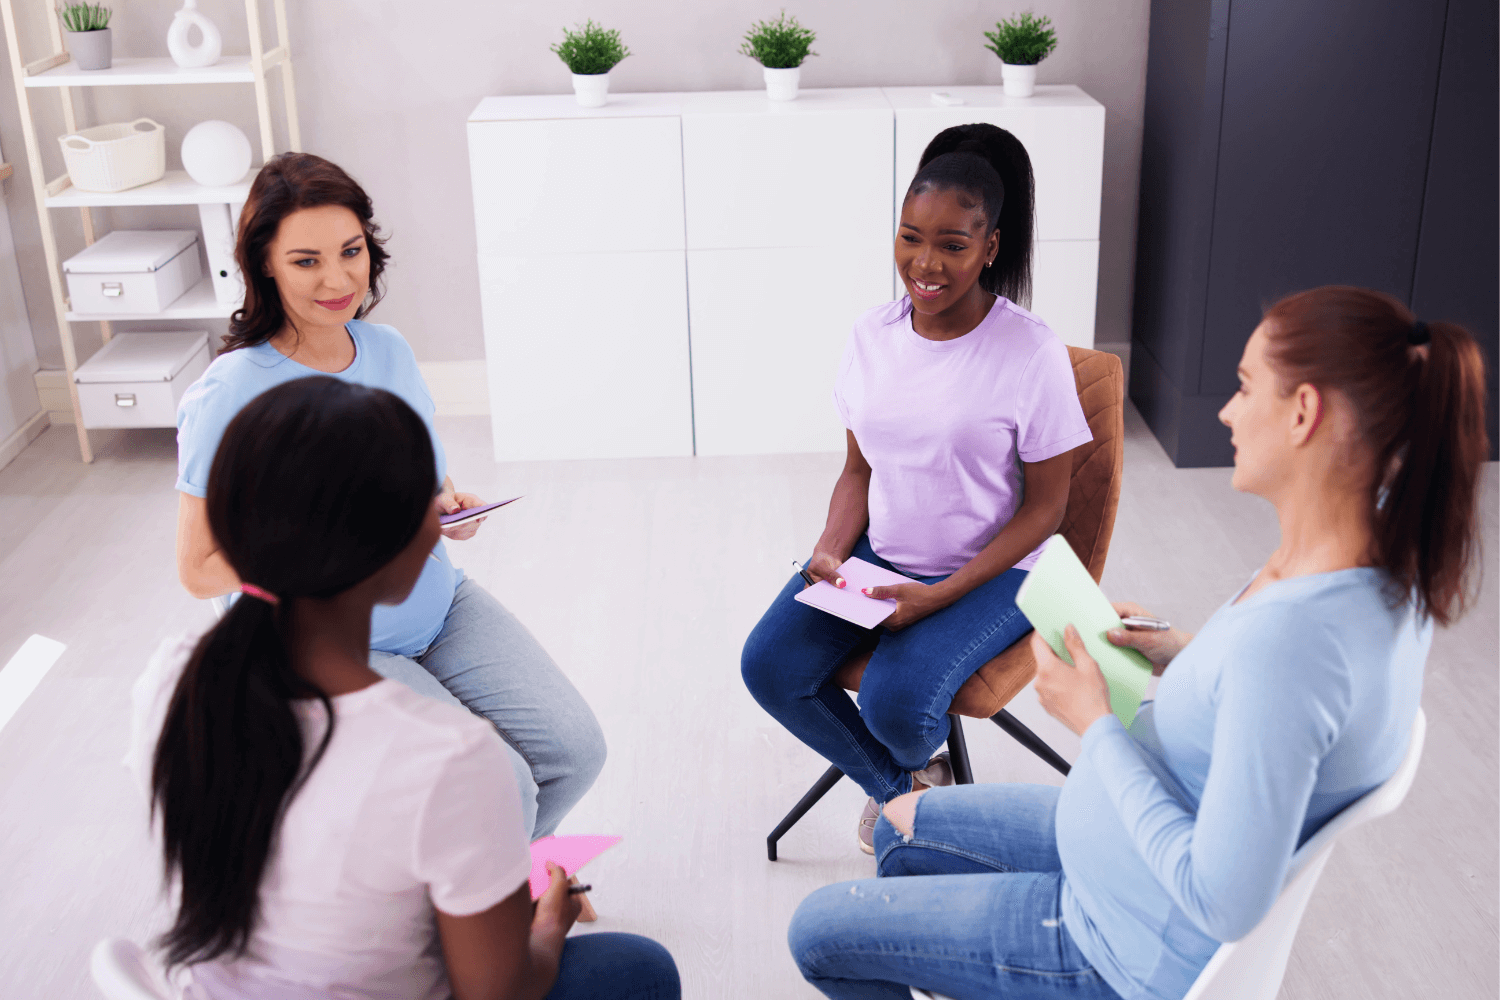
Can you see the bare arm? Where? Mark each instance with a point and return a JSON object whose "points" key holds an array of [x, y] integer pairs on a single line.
{"points": [[201, 567], [511, 950], [848, 515], [1042, 510]]}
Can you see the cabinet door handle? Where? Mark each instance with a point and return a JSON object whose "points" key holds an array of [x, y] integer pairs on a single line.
{"points": [[112, 289], [124, 399]]}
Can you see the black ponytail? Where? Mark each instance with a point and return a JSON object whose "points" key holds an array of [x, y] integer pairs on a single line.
{"points": [[990, 165], [316, 485]]}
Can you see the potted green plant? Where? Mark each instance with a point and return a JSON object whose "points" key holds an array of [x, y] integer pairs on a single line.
{"points": [[87, 27], [590, 53], [779, 46], [1021, 42]]}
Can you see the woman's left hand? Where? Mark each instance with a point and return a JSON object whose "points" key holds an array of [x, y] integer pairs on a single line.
{"points": [[1076, 696], [914, 601], [450, 503]]}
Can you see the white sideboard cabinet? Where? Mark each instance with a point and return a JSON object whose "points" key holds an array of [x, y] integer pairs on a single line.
{"points": [[677, 274]]}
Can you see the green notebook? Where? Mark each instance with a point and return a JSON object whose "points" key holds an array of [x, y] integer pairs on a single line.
{"points": [[1058, 592]]}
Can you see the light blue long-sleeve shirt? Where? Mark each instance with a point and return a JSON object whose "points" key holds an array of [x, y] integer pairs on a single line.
{"points": [[1285, 708]]}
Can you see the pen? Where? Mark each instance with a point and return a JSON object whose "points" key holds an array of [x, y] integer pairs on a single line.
{"points": [[1145, 623], [573, 890], [802, 572]]}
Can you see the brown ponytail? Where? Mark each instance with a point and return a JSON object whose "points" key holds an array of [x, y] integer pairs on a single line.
{"points": [[1419, 392]]}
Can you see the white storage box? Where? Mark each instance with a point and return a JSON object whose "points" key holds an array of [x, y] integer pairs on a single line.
{"points": [[136, 379], [134, 271]]}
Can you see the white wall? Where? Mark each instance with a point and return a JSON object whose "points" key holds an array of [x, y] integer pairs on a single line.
{"points": [[18, 398], [385, 87]]}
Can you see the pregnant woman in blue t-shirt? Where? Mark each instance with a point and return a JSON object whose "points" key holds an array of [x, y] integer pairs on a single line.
{"points": [[313, 258], [1365, 429]]}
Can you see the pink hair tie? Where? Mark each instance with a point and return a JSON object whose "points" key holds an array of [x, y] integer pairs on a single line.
{"points": [[264, 595]]}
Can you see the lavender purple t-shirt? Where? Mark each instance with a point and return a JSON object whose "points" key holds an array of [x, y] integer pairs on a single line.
{"points": [[946, 424]]}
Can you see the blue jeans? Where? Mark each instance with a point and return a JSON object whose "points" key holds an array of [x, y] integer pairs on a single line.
{"points": [[981, 915], [612, 966], [902, 716], [485, 660]]}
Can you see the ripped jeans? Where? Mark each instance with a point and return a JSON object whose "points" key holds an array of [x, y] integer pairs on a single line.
{"points": [[979, 914]]}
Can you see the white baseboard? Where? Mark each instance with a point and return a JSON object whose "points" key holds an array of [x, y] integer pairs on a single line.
{"points": [[52, 387], [459, 388], [24, 435]]}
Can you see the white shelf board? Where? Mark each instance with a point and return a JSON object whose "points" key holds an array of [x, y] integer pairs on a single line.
{"points": [[176, 188], [197, 302], [134, 72]]}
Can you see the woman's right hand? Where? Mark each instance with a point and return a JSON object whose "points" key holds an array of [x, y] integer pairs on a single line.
{"points": [[1158, 647], [824, 566], [557, 909]]}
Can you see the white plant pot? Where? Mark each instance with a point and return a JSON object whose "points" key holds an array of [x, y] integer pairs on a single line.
{"points": [[1020, 81], [781, 84], [591, 89]]}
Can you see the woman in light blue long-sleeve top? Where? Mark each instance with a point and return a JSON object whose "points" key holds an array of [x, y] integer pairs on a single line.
{"points": [[1364, 427]]}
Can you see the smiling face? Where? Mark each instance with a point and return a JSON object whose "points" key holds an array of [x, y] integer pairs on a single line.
{"points": [[942, 247], [321, 266]]}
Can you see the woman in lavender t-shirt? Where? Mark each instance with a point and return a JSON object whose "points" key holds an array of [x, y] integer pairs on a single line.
{"points": [[961, 411]]}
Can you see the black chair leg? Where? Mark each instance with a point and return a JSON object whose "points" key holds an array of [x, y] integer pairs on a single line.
{"points": [[830, 778], [1031, 741], [958, 752]]}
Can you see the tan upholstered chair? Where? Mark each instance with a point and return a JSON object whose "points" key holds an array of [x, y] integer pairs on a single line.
{"points": [[1093, 497]]}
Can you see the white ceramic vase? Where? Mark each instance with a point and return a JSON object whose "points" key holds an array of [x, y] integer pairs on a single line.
{"points": [[91, 49], [210, 42], [591, 89], [781, 84], [216, 154], [1020, 81]]}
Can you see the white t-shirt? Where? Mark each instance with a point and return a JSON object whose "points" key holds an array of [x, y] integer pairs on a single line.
{"points": [[412, 807]]}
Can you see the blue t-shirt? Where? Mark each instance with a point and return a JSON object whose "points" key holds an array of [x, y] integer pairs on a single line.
{"points": [[1177, 835], [382, 360]]}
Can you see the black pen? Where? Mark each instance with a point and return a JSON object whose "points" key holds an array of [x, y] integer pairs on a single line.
{"points": [[803, 573], [573, 890]]}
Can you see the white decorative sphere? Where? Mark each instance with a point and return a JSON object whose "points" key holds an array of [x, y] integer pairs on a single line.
{"points": [[216, 154]]}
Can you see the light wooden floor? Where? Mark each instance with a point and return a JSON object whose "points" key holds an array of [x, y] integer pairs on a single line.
{"points": [[643, 578]]}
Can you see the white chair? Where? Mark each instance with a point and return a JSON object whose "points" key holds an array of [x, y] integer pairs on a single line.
{"points": [[122, 971], [1252, 967]]}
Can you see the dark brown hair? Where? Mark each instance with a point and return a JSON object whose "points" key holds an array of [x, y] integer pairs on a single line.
{"points": [[1420, 408], [317, 485], [286, 184]]}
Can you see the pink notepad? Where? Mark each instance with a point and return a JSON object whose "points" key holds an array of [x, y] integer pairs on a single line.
{"points": [[568, 853], [849, 604]]}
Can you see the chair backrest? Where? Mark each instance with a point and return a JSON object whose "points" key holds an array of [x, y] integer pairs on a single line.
{"points": [[1099, 465], [1252, 967], [121, 971]]}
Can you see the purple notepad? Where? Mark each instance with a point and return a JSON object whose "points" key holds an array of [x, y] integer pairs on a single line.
{"points": [[849, 604], [462, 516]]}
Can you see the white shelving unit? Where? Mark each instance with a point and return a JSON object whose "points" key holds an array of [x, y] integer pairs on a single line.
{"points": [[57, 72]]}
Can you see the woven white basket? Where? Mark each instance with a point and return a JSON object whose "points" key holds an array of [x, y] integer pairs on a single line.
{"points": [[109, 158]]}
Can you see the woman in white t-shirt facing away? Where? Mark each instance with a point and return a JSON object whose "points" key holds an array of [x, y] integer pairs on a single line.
{"points": [[961, 410], [328, 832]]}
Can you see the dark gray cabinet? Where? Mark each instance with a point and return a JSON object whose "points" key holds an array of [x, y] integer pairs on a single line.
{"points": [[1296, 143]]}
